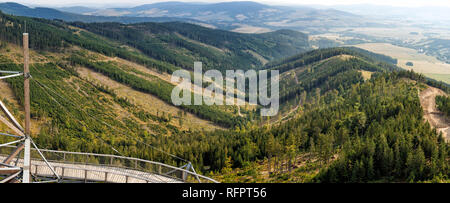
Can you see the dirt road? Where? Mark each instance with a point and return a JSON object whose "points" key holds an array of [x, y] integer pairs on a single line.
{"points": [[436, 118]]}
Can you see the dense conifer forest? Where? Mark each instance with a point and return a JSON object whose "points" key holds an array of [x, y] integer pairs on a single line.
{"points": [[217, 49], [443, 104]]}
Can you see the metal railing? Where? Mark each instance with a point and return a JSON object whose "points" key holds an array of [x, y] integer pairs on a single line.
{"points": [[91, 167]]}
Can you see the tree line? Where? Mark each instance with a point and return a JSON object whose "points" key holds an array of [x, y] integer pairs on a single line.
{"points": [[443, 104]]}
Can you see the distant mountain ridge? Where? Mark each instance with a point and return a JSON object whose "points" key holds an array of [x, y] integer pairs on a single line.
{"points": [[77, 9], [243, 16], [240, 14], [50, 13]]}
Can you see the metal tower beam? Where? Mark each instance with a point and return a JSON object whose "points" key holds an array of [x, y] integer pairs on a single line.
{"points": [[10, 116], [14, 154], [12, 126]]}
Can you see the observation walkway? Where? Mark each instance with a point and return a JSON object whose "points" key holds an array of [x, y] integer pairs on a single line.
{"points": [[89, 167]]}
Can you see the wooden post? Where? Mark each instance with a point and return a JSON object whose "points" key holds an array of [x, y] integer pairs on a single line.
{"points": [[26, 73], [26, 87]]}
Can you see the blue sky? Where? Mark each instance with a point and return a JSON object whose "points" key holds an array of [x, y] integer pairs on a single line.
{"points": [[402, 3]]}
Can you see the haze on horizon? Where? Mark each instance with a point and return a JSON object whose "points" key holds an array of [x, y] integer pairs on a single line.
{"points": [[131, 3]]}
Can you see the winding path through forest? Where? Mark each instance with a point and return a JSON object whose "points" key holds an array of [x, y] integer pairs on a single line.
{"points": [[436, 118]]}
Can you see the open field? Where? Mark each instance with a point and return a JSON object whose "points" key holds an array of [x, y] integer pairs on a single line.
{"points": [[407, 31], [250, 29], [398, 33], [428, 65], [440, 77]]}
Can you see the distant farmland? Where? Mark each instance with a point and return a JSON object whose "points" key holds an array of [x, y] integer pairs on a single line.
{"points": [[428, 65]]}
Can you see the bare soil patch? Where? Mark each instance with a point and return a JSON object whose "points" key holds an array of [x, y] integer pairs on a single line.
{"points": [[436, 118]]}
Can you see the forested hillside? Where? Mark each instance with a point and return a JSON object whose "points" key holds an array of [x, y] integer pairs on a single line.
{"points": [[73, 112], [311, 57], [181, 44], [372, 131], [354, 116], [54, 36], [156, 87]]}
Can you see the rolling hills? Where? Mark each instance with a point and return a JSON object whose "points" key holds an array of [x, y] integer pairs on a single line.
{"points": [[176, 46], [85, 81], [217, 49], [348, 115], [74, 111], [54, 14], [354, 119], [243, 17]]}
